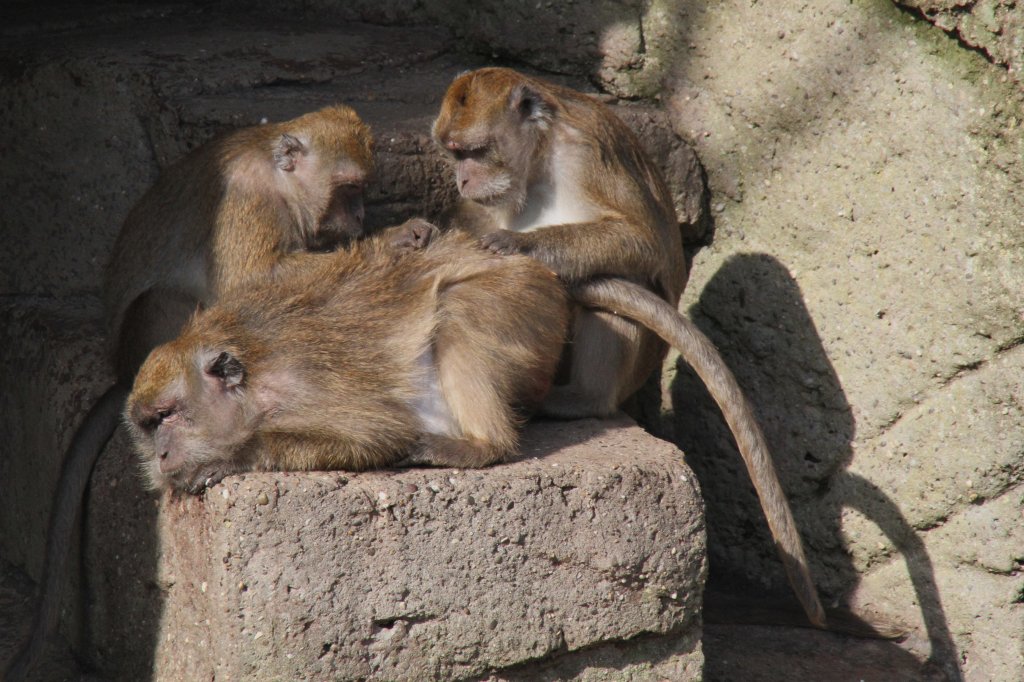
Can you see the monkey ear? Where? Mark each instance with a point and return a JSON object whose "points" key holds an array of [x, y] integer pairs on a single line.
{"points": [[287, 151], [227, 368], [530, 103]]}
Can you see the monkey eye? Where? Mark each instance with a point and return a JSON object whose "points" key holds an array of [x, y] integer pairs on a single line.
{"points": [[157, 418], [463, 153]]}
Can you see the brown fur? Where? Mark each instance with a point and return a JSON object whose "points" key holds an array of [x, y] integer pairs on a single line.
{"points": [[514, 139], [332, 362], [231, 210]]}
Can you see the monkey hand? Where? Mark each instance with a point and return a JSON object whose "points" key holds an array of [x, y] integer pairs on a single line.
{"points": [[505, 242], [413, 235]]}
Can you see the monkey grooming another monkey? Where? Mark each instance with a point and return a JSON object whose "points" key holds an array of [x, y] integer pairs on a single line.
{"points": [[353, 361], [233, 209], [549, 172]]}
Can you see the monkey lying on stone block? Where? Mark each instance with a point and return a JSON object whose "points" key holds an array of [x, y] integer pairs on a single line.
{"points": [[365, 358]]}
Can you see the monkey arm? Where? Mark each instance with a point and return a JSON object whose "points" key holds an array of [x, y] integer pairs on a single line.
{"points": [[247, 242], [469, 217], [579, 251]]}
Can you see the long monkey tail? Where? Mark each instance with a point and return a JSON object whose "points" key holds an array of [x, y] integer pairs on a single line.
{"points": [[85, 448], [632, 301]]}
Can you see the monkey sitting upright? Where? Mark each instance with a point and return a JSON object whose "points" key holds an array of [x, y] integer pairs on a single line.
{"points": [[353, 361], [233, 209], [551, 173]]}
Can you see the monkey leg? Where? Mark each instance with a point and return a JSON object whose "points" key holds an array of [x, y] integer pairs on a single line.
{"points": [[474, 377], [445, 451], [610, 360]]}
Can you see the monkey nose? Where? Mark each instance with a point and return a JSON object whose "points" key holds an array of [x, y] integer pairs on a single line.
{"points": [[453, 145], [167, 464]]}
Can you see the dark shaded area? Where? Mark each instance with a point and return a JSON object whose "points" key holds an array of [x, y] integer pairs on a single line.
{"points": [[809, 425], [769, 654]]}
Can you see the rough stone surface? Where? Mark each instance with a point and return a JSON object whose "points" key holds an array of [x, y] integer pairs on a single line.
{"points": [[594, 535], [624, 45], [864, 282], [995, 27], [50, 378]]}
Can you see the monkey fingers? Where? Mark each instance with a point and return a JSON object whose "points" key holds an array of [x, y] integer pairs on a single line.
{"points": [[505, 242], [412, 235]]}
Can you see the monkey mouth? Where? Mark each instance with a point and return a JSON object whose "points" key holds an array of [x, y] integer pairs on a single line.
{"points": [[494, 192]]}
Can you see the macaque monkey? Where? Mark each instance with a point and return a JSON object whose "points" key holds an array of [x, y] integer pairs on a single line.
{"points": [[549, 172], [232, 210], [359, 360]]}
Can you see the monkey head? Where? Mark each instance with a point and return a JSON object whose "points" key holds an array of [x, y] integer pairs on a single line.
{"points": [[190, 415], [494, 125], [324, 161]]}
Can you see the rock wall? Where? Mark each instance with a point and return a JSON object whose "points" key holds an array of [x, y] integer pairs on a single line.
{"points": [[996, 27], [865, 282]]}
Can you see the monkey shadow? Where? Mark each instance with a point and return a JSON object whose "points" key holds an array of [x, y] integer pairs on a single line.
{"points": [[754, 312], [122, 601]]}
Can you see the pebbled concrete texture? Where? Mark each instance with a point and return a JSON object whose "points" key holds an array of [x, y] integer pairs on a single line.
{"points": [[592, 538], [864, 282]]}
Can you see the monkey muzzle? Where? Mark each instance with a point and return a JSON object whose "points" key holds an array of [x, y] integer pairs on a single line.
{"points": [[341, 222]]}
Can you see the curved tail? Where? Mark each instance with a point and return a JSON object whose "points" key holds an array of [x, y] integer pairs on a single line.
{"points": [[632, 301], [86, 445]]}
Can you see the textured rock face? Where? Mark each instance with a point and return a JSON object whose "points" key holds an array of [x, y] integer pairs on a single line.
{"points": [[593, 536], [864, 282], [994, 26]]}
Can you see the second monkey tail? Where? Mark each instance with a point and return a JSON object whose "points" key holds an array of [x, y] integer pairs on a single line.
{"points": [[626, 299], [85, 448]]}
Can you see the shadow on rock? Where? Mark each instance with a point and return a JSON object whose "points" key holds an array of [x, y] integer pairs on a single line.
{"points": [[774, 349]]}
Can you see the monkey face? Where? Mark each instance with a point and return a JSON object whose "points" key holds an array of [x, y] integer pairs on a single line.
{"points": [[342, 220], [492, 124], [186, 417], [324, 162]]}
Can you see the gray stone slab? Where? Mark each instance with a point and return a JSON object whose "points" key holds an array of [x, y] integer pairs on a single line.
{"points": [[594, 535]]}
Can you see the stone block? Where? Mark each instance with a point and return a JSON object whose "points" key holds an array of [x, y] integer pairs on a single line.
{"points": [[593, 536]]}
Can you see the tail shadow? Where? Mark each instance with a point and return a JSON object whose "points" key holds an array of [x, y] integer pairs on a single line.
{"points": [[754, 311]]}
